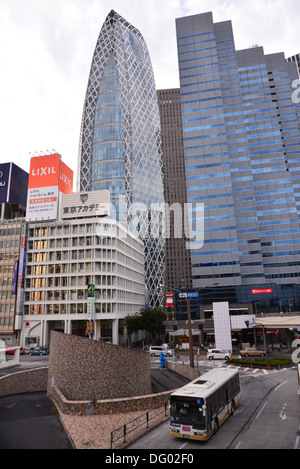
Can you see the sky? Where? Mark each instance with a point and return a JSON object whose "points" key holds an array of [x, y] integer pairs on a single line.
{"points": [[46, 49]]}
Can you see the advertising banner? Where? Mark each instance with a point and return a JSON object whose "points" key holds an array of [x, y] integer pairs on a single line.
{"points": [[4, 179], [44, 171], [18, 186], [42, 204], [90, 302], [20, 290], [262, 291], [169, 300], [13, 184], [15, 283], [42, 198], [47, 177], [66, 179]]}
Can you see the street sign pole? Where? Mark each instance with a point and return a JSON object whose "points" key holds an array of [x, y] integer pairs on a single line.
{"points": [[90, 311]]}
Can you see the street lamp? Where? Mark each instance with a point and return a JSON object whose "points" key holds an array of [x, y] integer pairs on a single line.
{"points": [[264, 336], [188, 297], [265, 342], [188, 301]]}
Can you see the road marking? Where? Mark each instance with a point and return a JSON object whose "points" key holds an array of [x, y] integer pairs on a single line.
{"points": [[182, 446], [237, 446], [261, 410], [297, 440], [279, 386]]}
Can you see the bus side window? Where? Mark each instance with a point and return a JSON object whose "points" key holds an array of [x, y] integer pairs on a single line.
{"points": [[209, 414]]}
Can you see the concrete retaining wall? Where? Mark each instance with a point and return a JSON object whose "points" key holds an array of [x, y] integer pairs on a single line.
{"points": [[85, 369], [110, 406], [34, 380], [183, 370]]}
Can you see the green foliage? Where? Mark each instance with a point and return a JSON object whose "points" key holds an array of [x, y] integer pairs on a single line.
{"points": [[148, 319], [261, 362]]}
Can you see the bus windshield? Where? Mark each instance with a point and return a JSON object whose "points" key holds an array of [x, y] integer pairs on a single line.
{"points": [[188, 413]]}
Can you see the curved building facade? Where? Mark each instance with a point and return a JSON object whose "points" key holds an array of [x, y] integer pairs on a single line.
{"points": [[120, 142]]}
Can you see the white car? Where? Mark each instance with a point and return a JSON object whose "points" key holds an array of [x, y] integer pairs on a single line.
{"points": [[216, 354], [156, 350]]}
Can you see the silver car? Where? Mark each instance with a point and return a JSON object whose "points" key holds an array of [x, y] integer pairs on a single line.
{"points": [[156, 350]]}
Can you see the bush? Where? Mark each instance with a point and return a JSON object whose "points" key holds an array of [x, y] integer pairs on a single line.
{"points": [[261, 362]]}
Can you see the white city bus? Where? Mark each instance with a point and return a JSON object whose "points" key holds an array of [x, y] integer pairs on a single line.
{"points": [[199, 408]]}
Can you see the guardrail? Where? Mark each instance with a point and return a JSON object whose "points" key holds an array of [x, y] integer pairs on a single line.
{"points": [[143, 420], [283, 314]]}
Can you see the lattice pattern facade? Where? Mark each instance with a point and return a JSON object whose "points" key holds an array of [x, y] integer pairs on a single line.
{"points": [[120, 142]]}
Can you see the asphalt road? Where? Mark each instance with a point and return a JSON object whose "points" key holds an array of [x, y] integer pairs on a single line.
{"points": [[165, 380], [267, 418], [28, 421]]}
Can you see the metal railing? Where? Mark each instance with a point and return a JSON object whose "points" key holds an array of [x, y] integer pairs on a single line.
{"points": [[143, 420], [282, 314]]}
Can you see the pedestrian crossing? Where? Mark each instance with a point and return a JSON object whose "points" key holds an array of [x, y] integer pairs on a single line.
{"points": [[247, 371], [208, 364]]}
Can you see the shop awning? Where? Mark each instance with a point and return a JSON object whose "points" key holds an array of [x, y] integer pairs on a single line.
{"points": [[277, 322], [184, 332]]}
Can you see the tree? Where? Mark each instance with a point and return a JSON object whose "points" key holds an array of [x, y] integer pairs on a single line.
{"points": [[148, 319]]}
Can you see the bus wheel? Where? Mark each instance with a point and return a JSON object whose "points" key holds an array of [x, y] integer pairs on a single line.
{"points": [[232, 407], [216, 426]]}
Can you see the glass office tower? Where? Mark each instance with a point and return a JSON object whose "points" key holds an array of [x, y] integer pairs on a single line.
{"points": [[178, 262], [242, 156], [296, 59], [120, 142]]}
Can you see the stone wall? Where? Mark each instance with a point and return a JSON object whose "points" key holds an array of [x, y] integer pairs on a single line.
{"points": [[111, 406], [183, 370], [34, 380], [84, 369]]}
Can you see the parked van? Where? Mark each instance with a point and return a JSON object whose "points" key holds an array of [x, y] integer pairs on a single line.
{"points": [[156, 350], [214, 354]]}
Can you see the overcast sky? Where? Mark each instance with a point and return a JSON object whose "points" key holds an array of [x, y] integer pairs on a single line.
{"points": [[46, 49]]}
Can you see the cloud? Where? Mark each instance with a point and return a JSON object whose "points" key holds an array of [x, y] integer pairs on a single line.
{"points": [[270, 23], [46, 49]]}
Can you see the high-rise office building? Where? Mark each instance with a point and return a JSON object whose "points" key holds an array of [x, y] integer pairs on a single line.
{"points": [[296, 59], [178, 260], [13, 195], [120, 143], [242, 154]]}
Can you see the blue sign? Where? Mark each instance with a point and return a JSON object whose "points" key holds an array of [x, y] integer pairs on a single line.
{"points": [[4, 178], [189, 295], [13, 184]]}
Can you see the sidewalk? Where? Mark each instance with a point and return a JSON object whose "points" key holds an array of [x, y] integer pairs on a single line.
{"points": [[94, 431]]}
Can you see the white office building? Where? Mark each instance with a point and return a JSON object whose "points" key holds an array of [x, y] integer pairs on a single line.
{"points": [[66, 258]]}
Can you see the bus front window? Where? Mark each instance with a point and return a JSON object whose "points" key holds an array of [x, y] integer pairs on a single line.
{"points": [[186, 413]]}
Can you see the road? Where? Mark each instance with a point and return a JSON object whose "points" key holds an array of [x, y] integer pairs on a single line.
{"points": [[28, 421], [267, 418], [26, 362]]}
